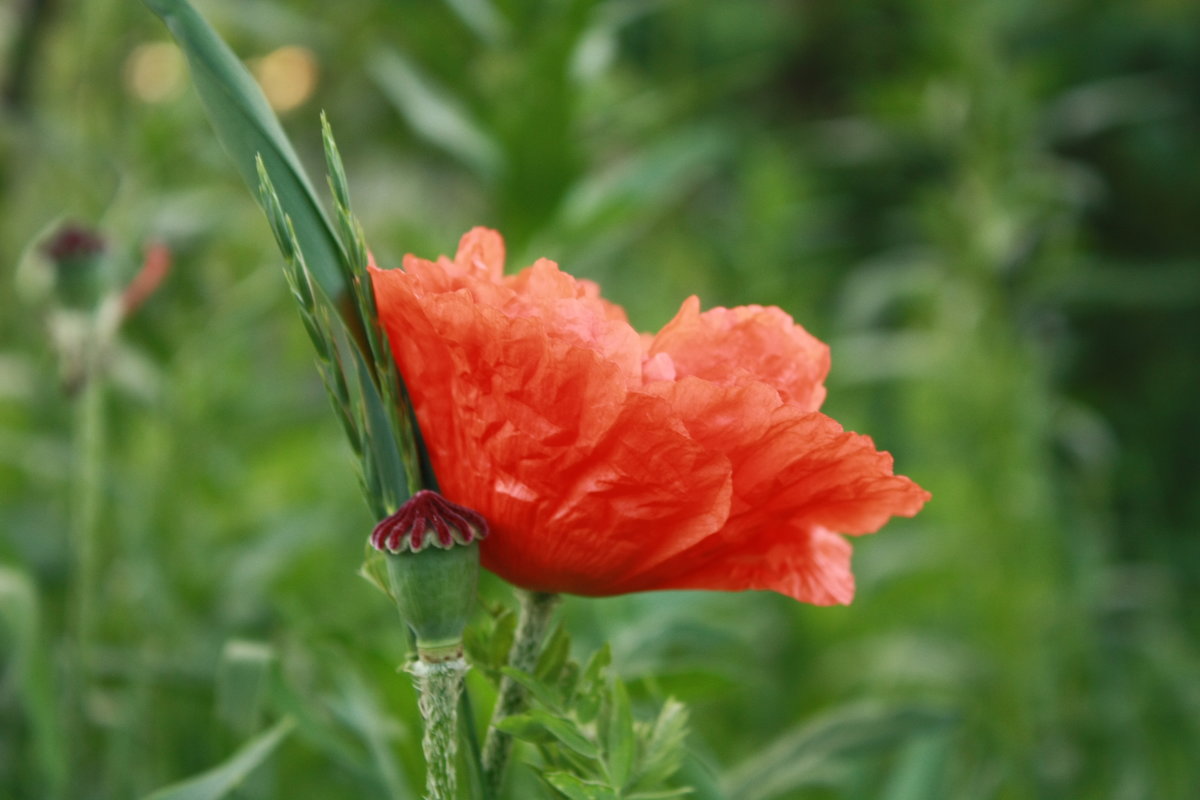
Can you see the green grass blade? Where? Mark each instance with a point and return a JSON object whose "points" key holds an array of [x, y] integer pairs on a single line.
{"points": [[243, 675], [805, 756], [21, 647], [247, 127], [219, 781], [434, 113]]}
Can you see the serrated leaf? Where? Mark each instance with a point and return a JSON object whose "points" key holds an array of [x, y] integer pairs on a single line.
{"points": [[577, 789], [488, 645], [222, 779], [526, 728], [504, 635], [664, 750], [590, 689], [566, 732], [554, 655], [541, 692], [568, 679], [246, 127], [600, 661], [804, 756], [620, 742]]}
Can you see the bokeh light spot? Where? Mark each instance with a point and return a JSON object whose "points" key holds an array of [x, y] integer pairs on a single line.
{"points": [[288, 76], [154, 72]]}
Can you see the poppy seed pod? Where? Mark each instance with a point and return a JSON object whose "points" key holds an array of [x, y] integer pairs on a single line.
{"points": [[76, 254], [433, 569]]}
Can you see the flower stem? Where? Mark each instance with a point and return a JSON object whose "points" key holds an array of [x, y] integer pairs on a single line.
{"points": [[475, 752], [537, 608], [87, 492], [440, 683]]}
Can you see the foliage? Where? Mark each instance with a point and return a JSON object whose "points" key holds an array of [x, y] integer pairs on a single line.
{"points": [[984, 207], [582, 722]]}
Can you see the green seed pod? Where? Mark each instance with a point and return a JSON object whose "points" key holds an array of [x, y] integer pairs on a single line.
{"points": [[76, 254], [433, 568]]}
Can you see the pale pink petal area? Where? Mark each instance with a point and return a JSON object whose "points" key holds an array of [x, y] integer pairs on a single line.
{"points": [[481, 253], [728, 345]]}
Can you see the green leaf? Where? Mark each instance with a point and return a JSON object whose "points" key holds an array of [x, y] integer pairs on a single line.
{"points": [[590, 690], [804, 756], [620, 743], [664, 750], [645, 182], [577, 789], [219, 781], [567, 733], [242, 677], [554, 655], [247, 127], [505, 632], [530, 725], [21, 647], [920, 770], [488, 644], [374, 570], [482, 17], [433, 113], [543, 693], [526, 728], [364, 711]]}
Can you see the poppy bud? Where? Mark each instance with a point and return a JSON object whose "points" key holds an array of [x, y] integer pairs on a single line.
{"points": [[76, 254], [433, 567]]}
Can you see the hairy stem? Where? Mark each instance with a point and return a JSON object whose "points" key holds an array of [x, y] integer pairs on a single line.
{"points": [[440, 683], [537, 608]]}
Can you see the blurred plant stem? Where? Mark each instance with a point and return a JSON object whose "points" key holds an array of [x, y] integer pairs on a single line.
{"points": [[537, 608], [33, 20], [87, 492]]}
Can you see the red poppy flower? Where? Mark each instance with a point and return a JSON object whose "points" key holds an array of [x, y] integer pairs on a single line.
{"points": [[609, 462]]}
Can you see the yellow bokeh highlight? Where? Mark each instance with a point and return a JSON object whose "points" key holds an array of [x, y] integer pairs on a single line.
{"points": [[155, 72], [288, 76]]}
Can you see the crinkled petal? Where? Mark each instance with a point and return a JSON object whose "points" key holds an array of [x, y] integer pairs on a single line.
{"points": [[811, 565], [481, 253], [580, 481], [792, 471], [730, 345], [608, 462]]}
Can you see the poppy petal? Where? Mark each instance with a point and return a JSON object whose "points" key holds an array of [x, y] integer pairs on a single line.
{"points": [[606, 461], [728, 345]]}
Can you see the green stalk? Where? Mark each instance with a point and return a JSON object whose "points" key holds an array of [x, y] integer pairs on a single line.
{"points": [[537, 609], [86, 494], [467, 710], [440, 683]]}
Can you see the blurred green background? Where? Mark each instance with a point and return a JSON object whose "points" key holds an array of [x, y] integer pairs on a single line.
{"points": [[988, 208]]}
